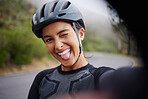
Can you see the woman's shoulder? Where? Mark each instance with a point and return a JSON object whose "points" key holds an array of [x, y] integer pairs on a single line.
{"points": [[43, 73], [99, 69], [103, 69]]}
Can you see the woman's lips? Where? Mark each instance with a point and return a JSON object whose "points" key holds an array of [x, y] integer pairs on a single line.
{"points": [[65, 54]]}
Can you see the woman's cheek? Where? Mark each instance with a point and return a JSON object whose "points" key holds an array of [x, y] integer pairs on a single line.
{"points": [[49, 48]]}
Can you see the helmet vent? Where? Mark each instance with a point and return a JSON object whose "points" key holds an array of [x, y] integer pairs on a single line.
{"points": [[61, 14], [66, 5], [42, 12], [53, 7]]}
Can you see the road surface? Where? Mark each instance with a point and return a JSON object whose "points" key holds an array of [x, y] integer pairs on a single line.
{"points": [[16, 86], [110, 60]]}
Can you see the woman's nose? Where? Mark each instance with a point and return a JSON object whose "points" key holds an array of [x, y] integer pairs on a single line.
{"points": [[58, 45]]}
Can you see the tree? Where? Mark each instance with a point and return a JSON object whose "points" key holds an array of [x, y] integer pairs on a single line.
{"points": [[126, 42]]}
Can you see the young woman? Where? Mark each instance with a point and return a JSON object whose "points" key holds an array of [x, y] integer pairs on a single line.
{"points": [[60, 24]]}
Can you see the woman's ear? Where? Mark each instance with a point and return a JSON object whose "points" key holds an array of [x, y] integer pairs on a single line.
{"points": [[81, 34]]}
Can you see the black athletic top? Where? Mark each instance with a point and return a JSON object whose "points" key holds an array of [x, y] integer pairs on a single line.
{"points": [[55, 82]]}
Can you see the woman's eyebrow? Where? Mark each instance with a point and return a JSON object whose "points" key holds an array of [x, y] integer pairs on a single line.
{"points": [[63, 31], [46, 36], [57, 33]]}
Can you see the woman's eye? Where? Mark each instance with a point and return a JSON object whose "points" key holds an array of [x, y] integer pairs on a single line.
{"points": [[49, 40], [64, 35]]}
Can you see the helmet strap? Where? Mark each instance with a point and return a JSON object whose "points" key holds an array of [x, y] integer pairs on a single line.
{"points": [[80, 46]]}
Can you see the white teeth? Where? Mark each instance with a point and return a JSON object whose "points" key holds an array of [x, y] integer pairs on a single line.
{"points": [[64, 52]]}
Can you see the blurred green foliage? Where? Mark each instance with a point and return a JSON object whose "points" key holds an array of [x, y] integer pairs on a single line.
{"points": [[95, 42], [18, 44], [128, 43]]}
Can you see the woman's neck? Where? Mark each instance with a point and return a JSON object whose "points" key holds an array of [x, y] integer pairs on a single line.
{"points": [[80, 63]]}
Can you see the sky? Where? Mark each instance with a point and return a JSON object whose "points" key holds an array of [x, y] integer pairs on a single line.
{"points": [[95, 13], [96, 6]]}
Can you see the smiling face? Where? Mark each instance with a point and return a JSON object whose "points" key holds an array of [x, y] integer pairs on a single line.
{"points": [[61, 41]]}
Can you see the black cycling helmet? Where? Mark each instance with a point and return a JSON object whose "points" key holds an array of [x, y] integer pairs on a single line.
{"points": [[53, 11]]}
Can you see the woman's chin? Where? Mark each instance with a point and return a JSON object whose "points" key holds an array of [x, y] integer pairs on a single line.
{"points": [[66, 64]]}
